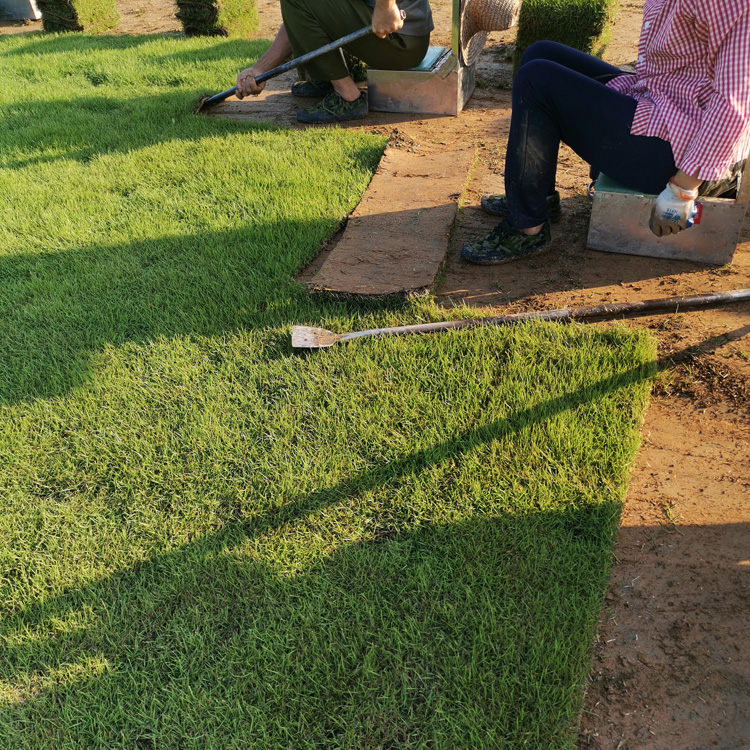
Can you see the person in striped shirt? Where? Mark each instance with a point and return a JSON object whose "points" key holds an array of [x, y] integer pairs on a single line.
{"points": [[682, 119]]}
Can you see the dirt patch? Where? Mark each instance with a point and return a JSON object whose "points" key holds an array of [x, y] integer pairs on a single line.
{"points": [[395, 240], [147, 17], [672, 659], [671, 668]]}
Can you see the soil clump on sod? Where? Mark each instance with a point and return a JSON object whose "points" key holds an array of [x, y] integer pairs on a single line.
{"points": [[672, 660]]}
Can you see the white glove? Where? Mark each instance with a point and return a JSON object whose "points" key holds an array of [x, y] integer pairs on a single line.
{"points": [[673, 210]]}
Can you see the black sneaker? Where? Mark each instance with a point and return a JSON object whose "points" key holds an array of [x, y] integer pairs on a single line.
{"points": [[312, 88], [335, 109], [505, 243], [497, 205]]}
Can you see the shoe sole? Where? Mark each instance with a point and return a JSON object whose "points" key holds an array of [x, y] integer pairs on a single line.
{"points": [[501, 261]]}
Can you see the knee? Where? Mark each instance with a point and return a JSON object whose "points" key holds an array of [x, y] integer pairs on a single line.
{"points": [[293, 5], [544, 50], [531, 76], [536, 51]]}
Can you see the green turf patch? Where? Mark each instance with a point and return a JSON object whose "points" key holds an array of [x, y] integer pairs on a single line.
{"points": [[230, 18], [583, 24], [208, 540], [94, 16]]}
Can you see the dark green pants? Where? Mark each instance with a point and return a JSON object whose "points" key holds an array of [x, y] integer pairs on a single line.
{"points": [[311, 24]]}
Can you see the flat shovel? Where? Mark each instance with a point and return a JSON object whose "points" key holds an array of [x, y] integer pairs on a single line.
{"points": [[304, 337], [207, 101]]}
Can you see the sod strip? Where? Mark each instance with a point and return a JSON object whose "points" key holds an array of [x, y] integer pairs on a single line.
{"points": [[407, 543], [209, 541]]}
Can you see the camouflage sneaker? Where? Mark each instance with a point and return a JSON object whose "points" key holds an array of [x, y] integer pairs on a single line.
{"points": [[497, 205], [505, 244], [335, 109], [311, 88], [357, 68]]}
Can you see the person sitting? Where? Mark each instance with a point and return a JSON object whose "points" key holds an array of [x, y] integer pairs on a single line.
{"points": [[682, 118], [400, 38]]}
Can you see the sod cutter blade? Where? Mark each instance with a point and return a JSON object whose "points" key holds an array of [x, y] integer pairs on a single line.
{"points": [[207, 101], [305, 337]]}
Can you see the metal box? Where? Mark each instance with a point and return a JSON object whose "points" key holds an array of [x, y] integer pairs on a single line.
{"points": [[619, 224], [439, 85]]}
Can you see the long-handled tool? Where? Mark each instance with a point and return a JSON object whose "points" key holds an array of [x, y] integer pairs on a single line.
{"points": [[304, 337], [207, 101]]}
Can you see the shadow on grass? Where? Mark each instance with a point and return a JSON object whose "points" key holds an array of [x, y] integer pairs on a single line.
{"points": [[50, 44], [448, 635], [468, 634], [479, 630], [92, 125], [59, 309]]}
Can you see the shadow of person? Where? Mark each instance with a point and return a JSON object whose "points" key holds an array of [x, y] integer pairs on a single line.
{"points": [[61, 309], [290, 626], [480, 627]]}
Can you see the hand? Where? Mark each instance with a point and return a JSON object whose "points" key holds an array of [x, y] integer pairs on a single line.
{"points": [[246, 83], [673, 210], [386, 18]]}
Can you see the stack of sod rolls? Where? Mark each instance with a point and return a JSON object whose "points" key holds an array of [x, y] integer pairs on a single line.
{"points": [[94, 16], [230, 18], [583, 24]]}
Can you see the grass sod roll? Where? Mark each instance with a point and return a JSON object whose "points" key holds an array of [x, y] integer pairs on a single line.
{"points": [[94, 16], [229, 18], [583, 24]]}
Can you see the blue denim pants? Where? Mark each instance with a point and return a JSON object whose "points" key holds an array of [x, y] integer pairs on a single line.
{"points": [[559, 94]]}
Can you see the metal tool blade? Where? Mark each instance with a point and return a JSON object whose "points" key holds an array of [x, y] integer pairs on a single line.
{"points": [[306, 337]]}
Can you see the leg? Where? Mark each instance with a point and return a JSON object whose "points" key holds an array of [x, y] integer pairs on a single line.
{"points": [[311, 25], [552, 103], [395, 52], [571, 60]]}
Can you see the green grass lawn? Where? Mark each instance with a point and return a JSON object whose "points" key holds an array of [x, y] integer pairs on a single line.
{"points": [[208, 540]]}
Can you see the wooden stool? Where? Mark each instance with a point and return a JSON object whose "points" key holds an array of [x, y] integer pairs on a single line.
{"points": [[619, 224]]}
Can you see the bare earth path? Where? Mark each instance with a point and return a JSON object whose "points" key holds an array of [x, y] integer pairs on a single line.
{"points": [[672, 658]]}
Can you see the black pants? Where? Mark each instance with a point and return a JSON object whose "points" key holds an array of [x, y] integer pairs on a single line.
{"points": [[559, 94], [311, 24]]}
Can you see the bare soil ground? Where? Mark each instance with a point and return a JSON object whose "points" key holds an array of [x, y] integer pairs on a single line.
{"points": [[672, 657]]}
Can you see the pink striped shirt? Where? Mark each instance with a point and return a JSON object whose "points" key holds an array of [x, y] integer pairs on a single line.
{"points": [[692, 82]]}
